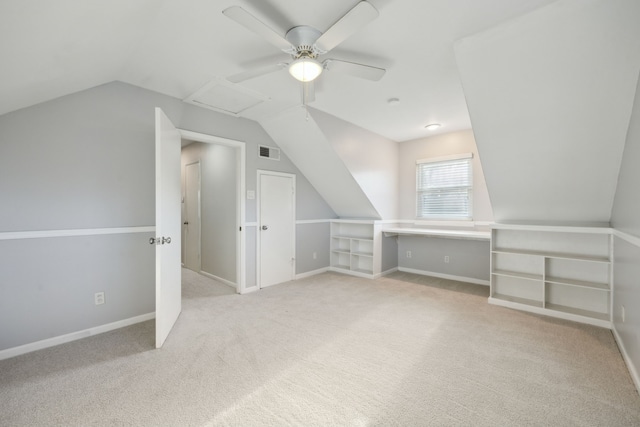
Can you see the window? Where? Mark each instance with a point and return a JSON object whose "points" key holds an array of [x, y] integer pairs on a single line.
{"points": [[444, 187]]}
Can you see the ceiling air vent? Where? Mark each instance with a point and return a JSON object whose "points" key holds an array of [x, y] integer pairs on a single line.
{"points": [[268, 152]]}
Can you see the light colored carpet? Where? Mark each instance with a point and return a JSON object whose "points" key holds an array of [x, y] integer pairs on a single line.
{"points": [[330, 350]]}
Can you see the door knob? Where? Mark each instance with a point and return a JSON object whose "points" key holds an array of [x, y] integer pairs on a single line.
{"points": [[186, 223], [265, 227], [159, 240]]}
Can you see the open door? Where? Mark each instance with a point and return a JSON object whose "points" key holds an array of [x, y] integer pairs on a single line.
{"points": [[168, 240]]}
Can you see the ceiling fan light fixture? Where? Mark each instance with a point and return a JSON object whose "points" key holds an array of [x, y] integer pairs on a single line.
{"points": [[305, 69]]}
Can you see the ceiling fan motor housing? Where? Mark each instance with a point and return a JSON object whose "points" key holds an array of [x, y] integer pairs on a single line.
{"points": [[303, 39]]}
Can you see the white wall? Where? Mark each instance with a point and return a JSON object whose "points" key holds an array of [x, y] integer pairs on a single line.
{"points": [[436, 146], [303, 142], [550, 95], [371, 159], [625, 218]]}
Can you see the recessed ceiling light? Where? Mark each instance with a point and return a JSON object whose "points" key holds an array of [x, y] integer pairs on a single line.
{"points": [[432, 126], [393, 102]]}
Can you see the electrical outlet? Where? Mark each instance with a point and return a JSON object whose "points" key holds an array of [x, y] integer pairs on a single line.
{"points": [[315, 255], [408, 254], [446, 259], [623, 314], [99, 298]]}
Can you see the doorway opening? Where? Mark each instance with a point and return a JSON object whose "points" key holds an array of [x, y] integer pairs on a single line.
{"points": [[213, 207]]}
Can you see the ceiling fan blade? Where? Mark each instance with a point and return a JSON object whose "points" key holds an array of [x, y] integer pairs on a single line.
{"points": [[257, 72], [308, 92], [253, 24], [352, 21], [357, 70]]}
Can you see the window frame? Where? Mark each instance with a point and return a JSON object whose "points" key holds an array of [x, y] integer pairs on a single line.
{"points": [[469, 189]]}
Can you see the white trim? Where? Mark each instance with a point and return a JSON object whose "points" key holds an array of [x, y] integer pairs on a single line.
{"points": [[440, 233], [241, 259], [627, 237], [354, 221], [73, 336], [384, 273], [445, 276], [554, 228], [630, 366], [312, 221], [483, 223], [311, 273], [250, 290], [463, 223], [445, 158], [219, 279], [351, 272], [551, 313], [41, 234], [250, 224]]}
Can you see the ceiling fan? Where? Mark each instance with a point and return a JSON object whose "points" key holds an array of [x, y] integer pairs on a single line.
{"points": [[305, 44]]}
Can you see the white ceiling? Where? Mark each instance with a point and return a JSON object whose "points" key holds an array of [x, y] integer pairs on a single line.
{"points": [[175, 47]]}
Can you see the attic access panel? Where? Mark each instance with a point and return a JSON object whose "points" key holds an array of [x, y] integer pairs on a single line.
{"points": [[223, 96]]}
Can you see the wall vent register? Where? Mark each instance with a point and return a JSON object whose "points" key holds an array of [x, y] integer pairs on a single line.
{"points": [[268, 152]]}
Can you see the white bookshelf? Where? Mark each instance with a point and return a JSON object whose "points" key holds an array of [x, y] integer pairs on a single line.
{"points": [[356, 247], [564, 272]]}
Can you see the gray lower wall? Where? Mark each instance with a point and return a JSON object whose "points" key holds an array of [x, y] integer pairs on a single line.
{"points": [[389, 259], [47, 285], [87, 161], [310, 238], [467, 258]]}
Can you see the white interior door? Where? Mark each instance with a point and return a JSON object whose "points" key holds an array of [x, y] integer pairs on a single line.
{"points": [[192, 217], [276, 227], [168, 239]]}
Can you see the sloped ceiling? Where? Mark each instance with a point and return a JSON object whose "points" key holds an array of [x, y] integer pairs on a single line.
{"points": [[297, 133], [550, 97], [175, 47]]}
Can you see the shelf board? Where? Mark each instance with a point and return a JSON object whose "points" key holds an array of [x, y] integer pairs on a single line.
{"points": [[525, 301], [367, 254], [577, 311], [518, 275], [578, 283], [557, 255], [341, 251], [363, 271], [342, 236], [342, 267]]}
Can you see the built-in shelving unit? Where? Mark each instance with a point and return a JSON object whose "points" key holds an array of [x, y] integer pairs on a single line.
{"points": [[559, 271], [355, 247]]}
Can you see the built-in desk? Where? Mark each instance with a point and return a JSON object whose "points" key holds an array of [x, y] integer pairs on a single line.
{"points": [[451, 234]]}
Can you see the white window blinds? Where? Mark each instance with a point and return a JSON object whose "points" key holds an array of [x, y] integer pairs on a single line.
{"points": [[444, 187]]}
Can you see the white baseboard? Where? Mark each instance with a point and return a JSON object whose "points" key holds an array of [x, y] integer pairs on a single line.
{"points": [[219, 279], [250, 290], [311, 273], [384, 273], [445, 276], [62, 339], [627, 360]]}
